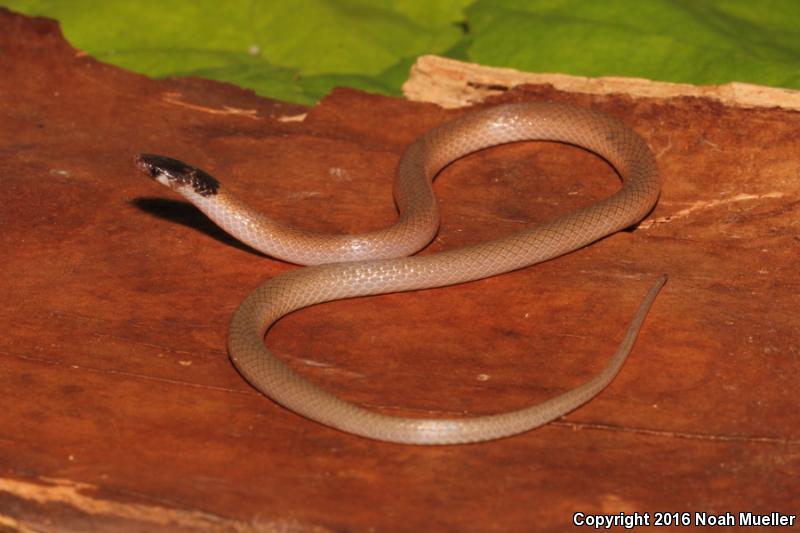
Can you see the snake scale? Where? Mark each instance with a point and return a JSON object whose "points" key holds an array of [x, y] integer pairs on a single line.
{"points": [[348, 266]]}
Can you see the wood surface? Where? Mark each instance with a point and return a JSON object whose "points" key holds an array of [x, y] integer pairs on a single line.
{"points": [[122, 412]]}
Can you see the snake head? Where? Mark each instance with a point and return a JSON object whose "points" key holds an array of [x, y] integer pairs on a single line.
{"points": [[176, 174]]}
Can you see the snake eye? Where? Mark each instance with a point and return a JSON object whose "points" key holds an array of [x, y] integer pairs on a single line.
{"points": [[143, 162]]}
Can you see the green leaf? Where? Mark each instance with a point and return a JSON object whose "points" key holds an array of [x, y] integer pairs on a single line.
{"points": [[299, 50], [691, 41], [289, 50]]}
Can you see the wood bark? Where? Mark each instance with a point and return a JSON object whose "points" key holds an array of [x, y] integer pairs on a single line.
{"points": [[121, 410]]}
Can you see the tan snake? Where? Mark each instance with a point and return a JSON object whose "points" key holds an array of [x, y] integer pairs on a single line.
{"points": [[376, 263]]}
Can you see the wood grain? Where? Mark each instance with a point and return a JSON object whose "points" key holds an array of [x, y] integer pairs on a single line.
{"points": [[122, 412]]}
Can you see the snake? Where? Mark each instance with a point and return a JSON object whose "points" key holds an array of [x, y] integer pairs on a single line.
{"points": [[340, 266]]}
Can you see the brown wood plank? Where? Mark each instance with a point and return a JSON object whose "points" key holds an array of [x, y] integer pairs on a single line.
{"points": [[121, 410]]}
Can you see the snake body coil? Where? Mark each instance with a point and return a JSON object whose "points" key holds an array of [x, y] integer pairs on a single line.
{"points": [[375, 263]]}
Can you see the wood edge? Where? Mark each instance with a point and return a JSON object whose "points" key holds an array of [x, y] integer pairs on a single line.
{"points": [[451, 83]]}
